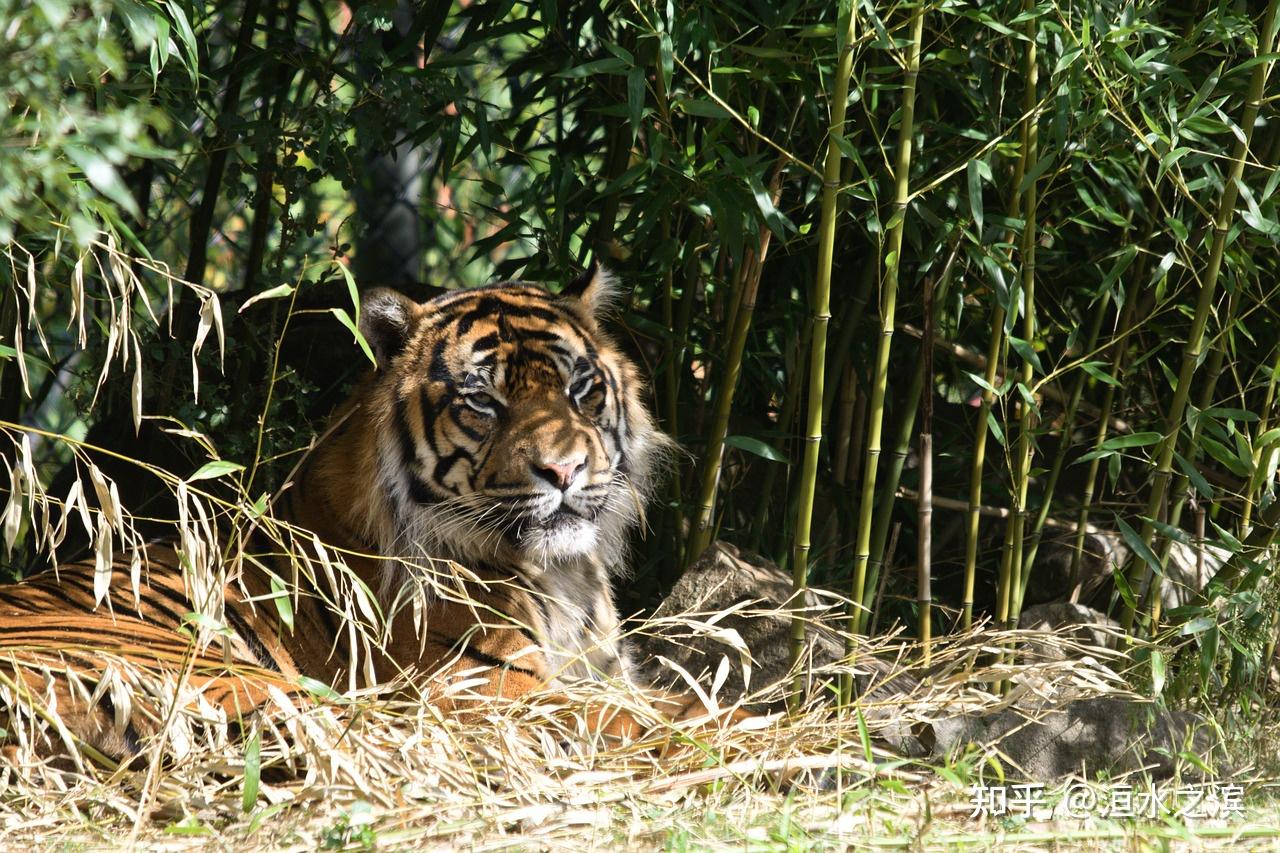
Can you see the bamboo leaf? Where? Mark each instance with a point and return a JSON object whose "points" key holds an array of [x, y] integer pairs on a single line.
{"points": [[982, 383], [1194, 477], [276, 292], [635, 99], [975, 195], [757, 447], [702, 108], [345, 319], [1137, 439], [252, 770], [1025, 349], [1233, 463], [607, 65], [213, 470], [777, 222], [1094, 369], [1138, 546]]}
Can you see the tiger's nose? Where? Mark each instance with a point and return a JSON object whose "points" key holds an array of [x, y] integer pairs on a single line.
{"points": [[560, 474]]}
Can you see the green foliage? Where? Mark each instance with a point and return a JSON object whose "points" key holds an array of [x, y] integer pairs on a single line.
{"points": [[226, 143]]}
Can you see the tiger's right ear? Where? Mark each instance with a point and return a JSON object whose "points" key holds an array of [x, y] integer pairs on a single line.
{"points": [[386, 319]]}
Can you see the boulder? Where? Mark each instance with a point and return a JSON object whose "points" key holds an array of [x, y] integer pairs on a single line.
{"points": [[735, 606], [1076, 622], [731, 610], [1188, 570], [1081, 738]]}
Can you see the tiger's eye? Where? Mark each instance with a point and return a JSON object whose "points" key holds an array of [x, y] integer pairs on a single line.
{"points": [[581, 387], [485, 404]]}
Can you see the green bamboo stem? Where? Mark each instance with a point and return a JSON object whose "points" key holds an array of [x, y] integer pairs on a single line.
{"points": [[821, 316], [1208, 289], [1214, 366], [902, 439], [1011, 563], [1064, 445], [748, 283], [996, 347], [1261, 455], [888, 308], [995, 351]]}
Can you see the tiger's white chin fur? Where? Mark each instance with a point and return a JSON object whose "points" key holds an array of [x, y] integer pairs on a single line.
{"points": [[569, 537]]}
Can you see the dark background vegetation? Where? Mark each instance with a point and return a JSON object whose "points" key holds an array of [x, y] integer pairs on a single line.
{"points": [[291, 152]]}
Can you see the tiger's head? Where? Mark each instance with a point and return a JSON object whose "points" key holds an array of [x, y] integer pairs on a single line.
{"points": [[508, 427]]}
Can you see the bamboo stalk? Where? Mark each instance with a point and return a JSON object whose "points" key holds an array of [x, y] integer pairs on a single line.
{"points": [[995, 350], [748, 283], [906, 426], [888, 306], [1217, 355], [1008, 593], [821, 317], [1208, 289], [1261, 455], [996, 347], [924, 504]]}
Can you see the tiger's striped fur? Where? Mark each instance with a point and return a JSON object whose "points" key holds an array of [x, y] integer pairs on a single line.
{"points": [[501, 430]]}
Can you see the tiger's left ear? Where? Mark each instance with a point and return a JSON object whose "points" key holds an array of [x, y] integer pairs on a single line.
{"points": [[596, 288], [387, 318]]}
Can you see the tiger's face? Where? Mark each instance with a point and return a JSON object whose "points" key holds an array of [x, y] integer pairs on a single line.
{"points": [[510, 427]]}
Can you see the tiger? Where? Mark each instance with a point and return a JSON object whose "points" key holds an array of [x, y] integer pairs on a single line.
{"points": [[501, 431]]}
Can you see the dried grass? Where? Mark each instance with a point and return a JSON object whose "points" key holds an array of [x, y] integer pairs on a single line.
{"points": [[374, 765]]}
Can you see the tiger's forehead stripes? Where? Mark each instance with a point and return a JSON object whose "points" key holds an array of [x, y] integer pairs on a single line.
{"points": [[498, 334]]}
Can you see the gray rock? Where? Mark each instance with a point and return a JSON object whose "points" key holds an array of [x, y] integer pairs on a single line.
{"points": [[1051, 577], [1188, 570], [729, 602], [1082, 738], [1081, 624], [734, 607]]}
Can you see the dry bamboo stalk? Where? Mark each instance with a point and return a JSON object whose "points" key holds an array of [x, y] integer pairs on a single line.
{"points": [[906, 424], [924, 505]]}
